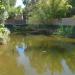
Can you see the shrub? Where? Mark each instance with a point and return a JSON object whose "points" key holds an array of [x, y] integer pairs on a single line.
{"points": [[65, 30], [46, 11], [4, 32]]}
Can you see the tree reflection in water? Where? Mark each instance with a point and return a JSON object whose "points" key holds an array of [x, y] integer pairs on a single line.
{"points": [[44, 62], [51, 62], [24, 60], [70, 60], [45, 56]]}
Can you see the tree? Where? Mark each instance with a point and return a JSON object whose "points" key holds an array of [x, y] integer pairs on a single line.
{"points": [[14, 11], [4, 32], [8, 3], [29, 4], [12, 2], [5, 6], [45, 10], [2, 11]]}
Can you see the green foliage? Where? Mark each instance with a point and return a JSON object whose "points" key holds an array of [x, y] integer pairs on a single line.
{"points": [[1, 25], [12, 2], [3, 15], [5, 7], [73, 3], [45, 10], [19, 10], [8, 3], [2, 7], [65, 30], [13, 11], [4, 32]]}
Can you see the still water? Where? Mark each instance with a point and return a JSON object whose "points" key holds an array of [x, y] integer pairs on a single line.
{"points": [[43, 55]]}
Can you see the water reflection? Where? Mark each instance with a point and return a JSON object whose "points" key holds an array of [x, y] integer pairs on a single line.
{"points": [[57, 60], [45, 63], [43, 56], [66, 69], [24, 60], [51, 62], [70, 60]]}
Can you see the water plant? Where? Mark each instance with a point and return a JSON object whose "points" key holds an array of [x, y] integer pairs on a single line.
{"points": [[65, 30]]}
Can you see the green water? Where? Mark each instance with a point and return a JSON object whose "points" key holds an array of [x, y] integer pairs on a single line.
{"points": [[45, 55]]}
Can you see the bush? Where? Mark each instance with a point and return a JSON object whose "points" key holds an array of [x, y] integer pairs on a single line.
{"points": [[65, 30], [45, 12], [4, 32]]}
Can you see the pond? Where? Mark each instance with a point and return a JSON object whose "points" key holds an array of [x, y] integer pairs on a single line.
{"points": [[44, 55]]}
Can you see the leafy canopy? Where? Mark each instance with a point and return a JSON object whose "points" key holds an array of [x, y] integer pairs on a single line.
{"points": [[45, 10]]}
